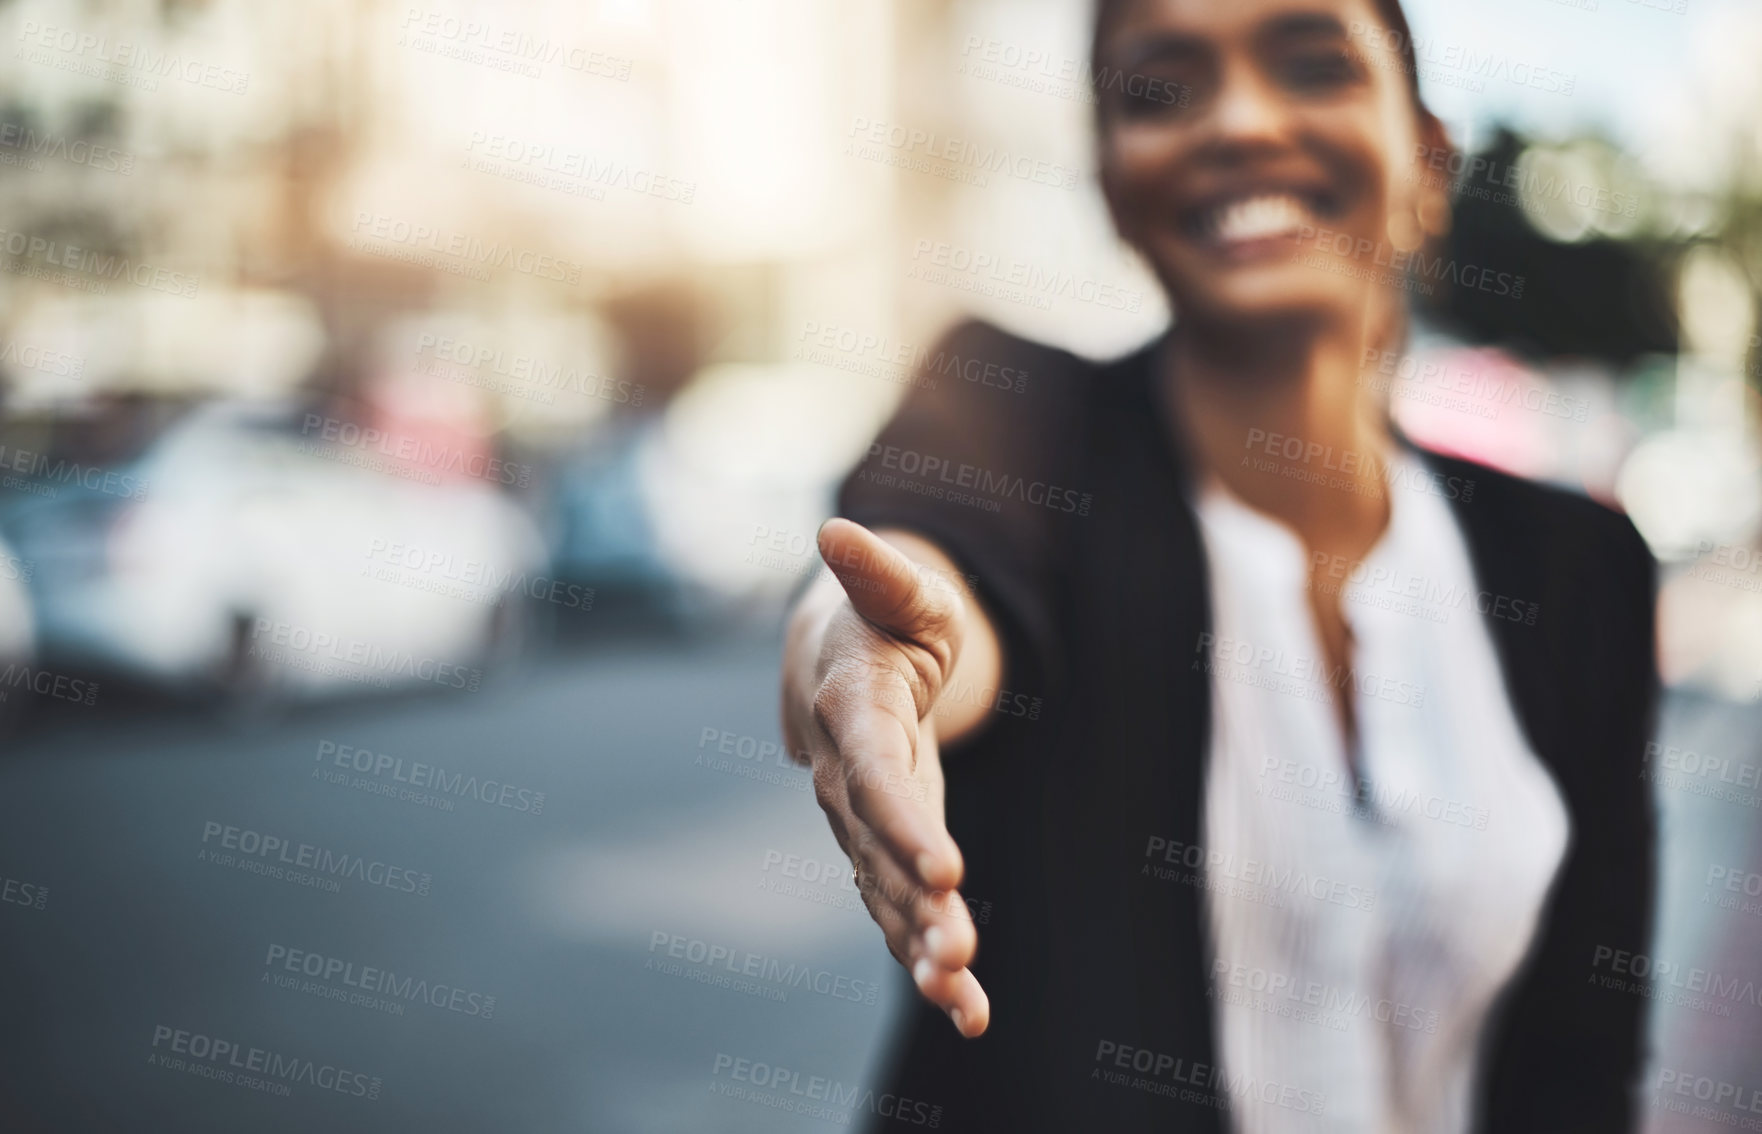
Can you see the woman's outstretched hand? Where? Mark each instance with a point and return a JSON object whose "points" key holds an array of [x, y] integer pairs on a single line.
{"points": [[865, 662]]}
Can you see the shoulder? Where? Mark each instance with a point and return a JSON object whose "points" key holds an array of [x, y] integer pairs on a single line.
{"points": [[1052, 387], [975, 354], [990, 421], [985, 394], [1553, 528], [983, 339]]}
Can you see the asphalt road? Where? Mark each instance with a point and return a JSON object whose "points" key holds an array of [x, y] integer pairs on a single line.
{"points": [[223, 924], [171, 925]]}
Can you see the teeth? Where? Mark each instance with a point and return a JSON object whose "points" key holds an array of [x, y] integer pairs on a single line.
{"points": [[1257, 218]]}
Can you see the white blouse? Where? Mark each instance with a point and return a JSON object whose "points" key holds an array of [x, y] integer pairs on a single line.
{"points": [[1361, 926]]}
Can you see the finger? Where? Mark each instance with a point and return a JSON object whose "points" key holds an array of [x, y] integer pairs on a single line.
{"points": [[900, 808], [896, 930], [956, 992], [886, 587], [922, 927], [887, 787], [886, 892], [919, 922], [947, 935]]}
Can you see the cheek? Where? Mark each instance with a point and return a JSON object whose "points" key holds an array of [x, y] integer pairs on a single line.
{"points": [[1141, 165], [1371, 171]]}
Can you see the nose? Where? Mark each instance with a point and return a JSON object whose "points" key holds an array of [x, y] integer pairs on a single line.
{"points": [[1247, 111]]}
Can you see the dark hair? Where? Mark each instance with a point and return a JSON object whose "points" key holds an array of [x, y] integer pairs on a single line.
{"points": [[1389, 11]]}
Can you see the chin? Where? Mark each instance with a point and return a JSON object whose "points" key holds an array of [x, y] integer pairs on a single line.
{"points": [[1282, 295]]}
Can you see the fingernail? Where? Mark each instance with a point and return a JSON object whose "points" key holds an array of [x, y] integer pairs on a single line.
{"points": [[960, 1021], [933, 938], [923, 971]]}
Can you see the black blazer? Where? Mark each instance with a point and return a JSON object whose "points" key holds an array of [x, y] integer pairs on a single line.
{"points": [[1057, 484]]}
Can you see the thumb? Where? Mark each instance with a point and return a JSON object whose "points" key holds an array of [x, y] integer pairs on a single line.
{"points": [[905, 598]]}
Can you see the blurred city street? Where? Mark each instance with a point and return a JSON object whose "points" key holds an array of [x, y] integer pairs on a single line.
{"points": [[550, 912]]}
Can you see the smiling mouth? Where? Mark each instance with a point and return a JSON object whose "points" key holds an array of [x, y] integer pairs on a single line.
{"points": [[1245, 222]]}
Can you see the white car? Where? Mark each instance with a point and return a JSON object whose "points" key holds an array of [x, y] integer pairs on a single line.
{"points": [[237, 553]]}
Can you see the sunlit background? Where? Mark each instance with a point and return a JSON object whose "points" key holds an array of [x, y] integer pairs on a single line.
{"points": [[465, 382]]}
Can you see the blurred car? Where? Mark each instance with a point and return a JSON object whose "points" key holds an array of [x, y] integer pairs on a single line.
{"points": [[240, 553], [601, 517]]}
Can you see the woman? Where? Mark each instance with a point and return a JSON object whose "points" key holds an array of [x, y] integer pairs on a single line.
{"points": [[1297, 769]]}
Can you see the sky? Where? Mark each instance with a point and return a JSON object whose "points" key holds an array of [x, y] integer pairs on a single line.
{"points": [[1661, 82]]}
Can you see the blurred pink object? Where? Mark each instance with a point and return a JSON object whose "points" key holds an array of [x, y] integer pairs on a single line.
{"points": [[1476, 403], [441, 430]]}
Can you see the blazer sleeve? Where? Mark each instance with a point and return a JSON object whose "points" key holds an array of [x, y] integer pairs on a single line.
{"points": [[980, 459]]}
